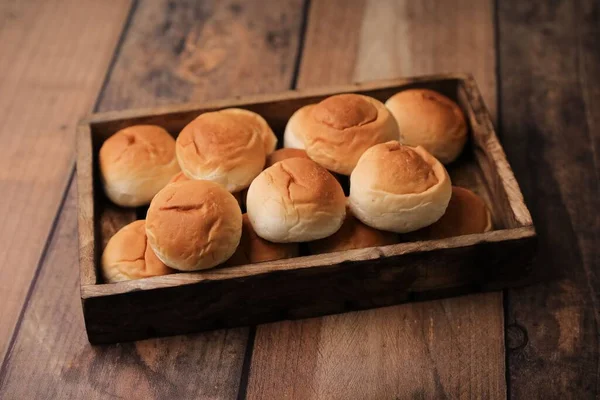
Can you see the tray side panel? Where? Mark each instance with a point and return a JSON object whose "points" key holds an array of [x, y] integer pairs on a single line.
{"points": [[302, 293], [85, 206], [509, 205]]}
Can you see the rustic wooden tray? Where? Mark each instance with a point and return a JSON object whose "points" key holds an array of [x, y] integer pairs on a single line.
{"points": [[306, 286]]}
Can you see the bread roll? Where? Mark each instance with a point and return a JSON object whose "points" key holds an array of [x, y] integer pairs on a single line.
{"points": [[127, 256], [291, 138], [135, 163], [338, 130], [466, 214], [282, 154], [295, 200], [258, 123], [180, 177], [254, 249], [399, 188], [239, 196], [220, 148], [430, 119], [193, 225], [352, 235]]}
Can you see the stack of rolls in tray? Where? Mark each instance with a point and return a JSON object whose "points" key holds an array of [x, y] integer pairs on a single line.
{"points": [[221, 194]]}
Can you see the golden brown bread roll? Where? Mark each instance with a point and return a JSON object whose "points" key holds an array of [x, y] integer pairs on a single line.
{"points": [[220, 148], [282, 154], [254, 249], [258, 123], [239, 196], [429, 119], [399, 188], [295, 200], [193, 225], [180, 177], [338, 130], [135, 163], [127, 256], [466, 214], [352, 235]]}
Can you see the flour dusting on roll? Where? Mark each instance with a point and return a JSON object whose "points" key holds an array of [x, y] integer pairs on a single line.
{"points": [[399, 188]]}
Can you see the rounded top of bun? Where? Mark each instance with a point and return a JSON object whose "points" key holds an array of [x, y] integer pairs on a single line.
{"points": [[254, 249], [282, 154], [352, 235], [338, 130], [136, 162], [295, 200], [220, 148], [394, 168], [429, 119], [258, 123], [399, 188], [466, 214], [193, 225], [137, 147], [345, 111], [127, 256]]}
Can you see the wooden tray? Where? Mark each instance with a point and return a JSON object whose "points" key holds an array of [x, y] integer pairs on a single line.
{"points": [[306, 286]]}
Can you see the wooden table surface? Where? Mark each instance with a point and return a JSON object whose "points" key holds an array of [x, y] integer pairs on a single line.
{"points": [[538, 66]]}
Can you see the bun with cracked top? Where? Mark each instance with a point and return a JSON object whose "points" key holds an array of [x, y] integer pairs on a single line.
{"points": [[429, 119], [399, 188], [221, 148], [254, 249], [295, 200], [352, 235], [127, 256], [258, 123], [193, 225], [339, 129], [135, 163]]}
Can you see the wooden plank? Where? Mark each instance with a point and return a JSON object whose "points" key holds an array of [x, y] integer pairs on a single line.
{"points": [[550, 74], [54, 57], [449, 348], [392, 38], [425, 350], [52, 332]]}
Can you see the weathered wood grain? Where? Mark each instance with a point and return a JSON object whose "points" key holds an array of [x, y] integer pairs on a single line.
{"points": [[201, 50], [550, 74], [52, 332], [53, 59], [395, 352], [426, 350], [375, 39]]}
